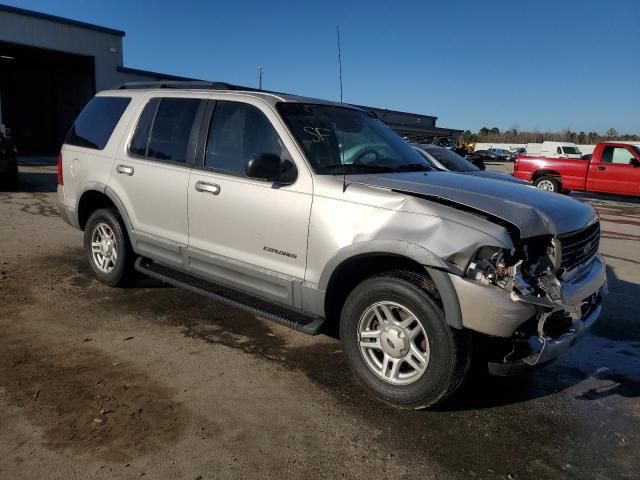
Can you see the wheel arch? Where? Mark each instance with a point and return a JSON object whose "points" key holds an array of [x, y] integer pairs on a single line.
{"points": [[354, 264], [546, 172], [100, 196]]}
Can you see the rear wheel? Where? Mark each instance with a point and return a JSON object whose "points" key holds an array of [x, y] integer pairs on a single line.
{"points": [[107, 247], [398, 344], [548, 183]]}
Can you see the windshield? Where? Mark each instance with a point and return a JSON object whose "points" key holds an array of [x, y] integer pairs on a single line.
{"points": [[337, 140], [450, 160], [571, 151]]}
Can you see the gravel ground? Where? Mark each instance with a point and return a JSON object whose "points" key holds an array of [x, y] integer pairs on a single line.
{"points": [[157, 382]]}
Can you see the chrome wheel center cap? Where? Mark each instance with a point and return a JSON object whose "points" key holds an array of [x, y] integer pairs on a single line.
{"points": [[394, 342]]}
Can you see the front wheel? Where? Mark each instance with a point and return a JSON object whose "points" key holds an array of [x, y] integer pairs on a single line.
{"points": [[398, 344], [548, 183]]}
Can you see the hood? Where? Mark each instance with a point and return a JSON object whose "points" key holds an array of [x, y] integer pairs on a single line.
{"points": [[495, 175], [533, 211]]}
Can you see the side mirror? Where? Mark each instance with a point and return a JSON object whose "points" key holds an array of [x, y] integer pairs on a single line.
{"points": [[634, 162], [263, 166]]}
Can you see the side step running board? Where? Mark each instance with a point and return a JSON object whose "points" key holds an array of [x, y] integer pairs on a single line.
{"points": [[261, 308]]}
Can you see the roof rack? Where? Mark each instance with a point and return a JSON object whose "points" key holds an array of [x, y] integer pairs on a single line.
{"points": [[187, 85]]}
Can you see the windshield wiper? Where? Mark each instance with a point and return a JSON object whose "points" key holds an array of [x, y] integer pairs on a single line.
{"points": [[339, 168], [414, 167]]}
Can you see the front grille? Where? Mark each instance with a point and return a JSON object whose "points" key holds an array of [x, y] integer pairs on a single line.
{"points": [[579, 247]]}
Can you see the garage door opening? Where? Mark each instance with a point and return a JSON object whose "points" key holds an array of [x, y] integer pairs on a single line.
{"points": [[41, 92]]}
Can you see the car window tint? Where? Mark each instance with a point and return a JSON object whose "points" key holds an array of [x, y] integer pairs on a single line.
{"points": [[171, 129], [237, 132], [140, 140], [96, 122]]}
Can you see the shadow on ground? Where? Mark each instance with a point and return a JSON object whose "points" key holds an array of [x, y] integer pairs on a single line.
{"points": [[33, 182], [620, 319]]}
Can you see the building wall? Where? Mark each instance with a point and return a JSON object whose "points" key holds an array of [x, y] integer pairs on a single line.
{"points": [[105, 47]]}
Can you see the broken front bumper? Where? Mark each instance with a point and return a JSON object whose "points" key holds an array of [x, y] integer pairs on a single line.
{"points": [[492, 311], [542, 349]]}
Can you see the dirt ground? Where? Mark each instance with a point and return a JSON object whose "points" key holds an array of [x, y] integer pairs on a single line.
{"points": [[155, 382]]}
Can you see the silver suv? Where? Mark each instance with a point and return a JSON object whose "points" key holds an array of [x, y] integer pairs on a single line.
{"points": [[316, 215]]}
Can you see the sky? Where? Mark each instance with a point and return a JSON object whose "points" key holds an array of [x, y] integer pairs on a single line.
{"points": [[543, 64]]}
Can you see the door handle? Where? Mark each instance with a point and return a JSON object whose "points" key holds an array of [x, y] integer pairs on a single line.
{"points": [[601, 168], [125, 169], [212, 188]]}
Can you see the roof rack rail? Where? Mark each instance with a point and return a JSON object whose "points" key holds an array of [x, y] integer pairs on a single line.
{"points": [[187, 85]]}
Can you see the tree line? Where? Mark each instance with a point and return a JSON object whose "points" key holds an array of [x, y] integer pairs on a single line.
{"points": [[513, 135]]}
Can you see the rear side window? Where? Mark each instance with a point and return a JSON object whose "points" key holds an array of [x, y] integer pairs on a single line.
{"points": [[164, 128], [95, 124]]}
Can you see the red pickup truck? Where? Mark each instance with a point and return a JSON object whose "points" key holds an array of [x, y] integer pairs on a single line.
{"points": [[613, 168]]}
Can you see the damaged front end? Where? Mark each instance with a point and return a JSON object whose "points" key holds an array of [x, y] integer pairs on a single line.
{"points": [[562, 277]]}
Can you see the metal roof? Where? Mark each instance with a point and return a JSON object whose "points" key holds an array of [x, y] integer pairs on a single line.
{"points": [[65, 21]]}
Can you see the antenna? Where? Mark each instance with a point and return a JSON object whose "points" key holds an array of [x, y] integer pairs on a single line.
{"points": [[344, 172], [339, 61], [260, 72]]}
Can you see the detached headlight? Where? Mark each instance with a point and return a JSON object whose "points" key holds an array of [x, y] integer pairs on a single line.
{"points": [[489, 266], [526, 271]]}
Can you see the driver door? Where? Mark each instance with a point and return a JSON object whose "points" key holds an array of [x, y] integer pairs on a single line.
{"points": [[250, 234], [616, 172]]}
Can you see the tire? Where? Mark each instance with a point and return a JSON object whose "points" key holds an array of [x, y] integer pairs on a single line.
{"points": [[444, 363], [105, 226], [548, 183]]}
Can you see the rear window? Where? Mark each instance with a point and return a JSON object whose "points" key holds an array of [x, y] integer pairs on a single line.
{"points": [[95, 124]]}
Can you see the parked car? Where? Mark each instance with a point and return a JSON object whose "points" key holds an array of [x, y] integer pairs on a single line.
{"points": [[446, 160], [612, 168], [8, 162], [502, 155], [243, 196], [480, 156]]}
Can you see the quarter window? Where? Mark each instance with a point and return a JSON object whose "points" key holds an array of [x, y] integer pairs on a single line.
{"points": [[237, 132], [140, 140], [164, 129], [96, 122]]}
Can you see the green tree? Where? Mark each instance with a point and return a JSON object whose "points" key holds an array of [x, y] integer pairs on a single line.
{"points": [[611, 134]]}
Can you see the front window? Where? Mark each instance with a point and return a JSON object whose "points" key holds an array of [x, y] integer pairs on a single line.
{"points": [[451, 160], [338, 139], [571, 151], [239, 131], [618, 155]]}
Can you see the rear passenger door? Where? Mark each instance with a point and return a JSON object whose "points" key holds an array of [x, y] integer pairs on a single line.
{"points": [[151, 175], [248, 233]]}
